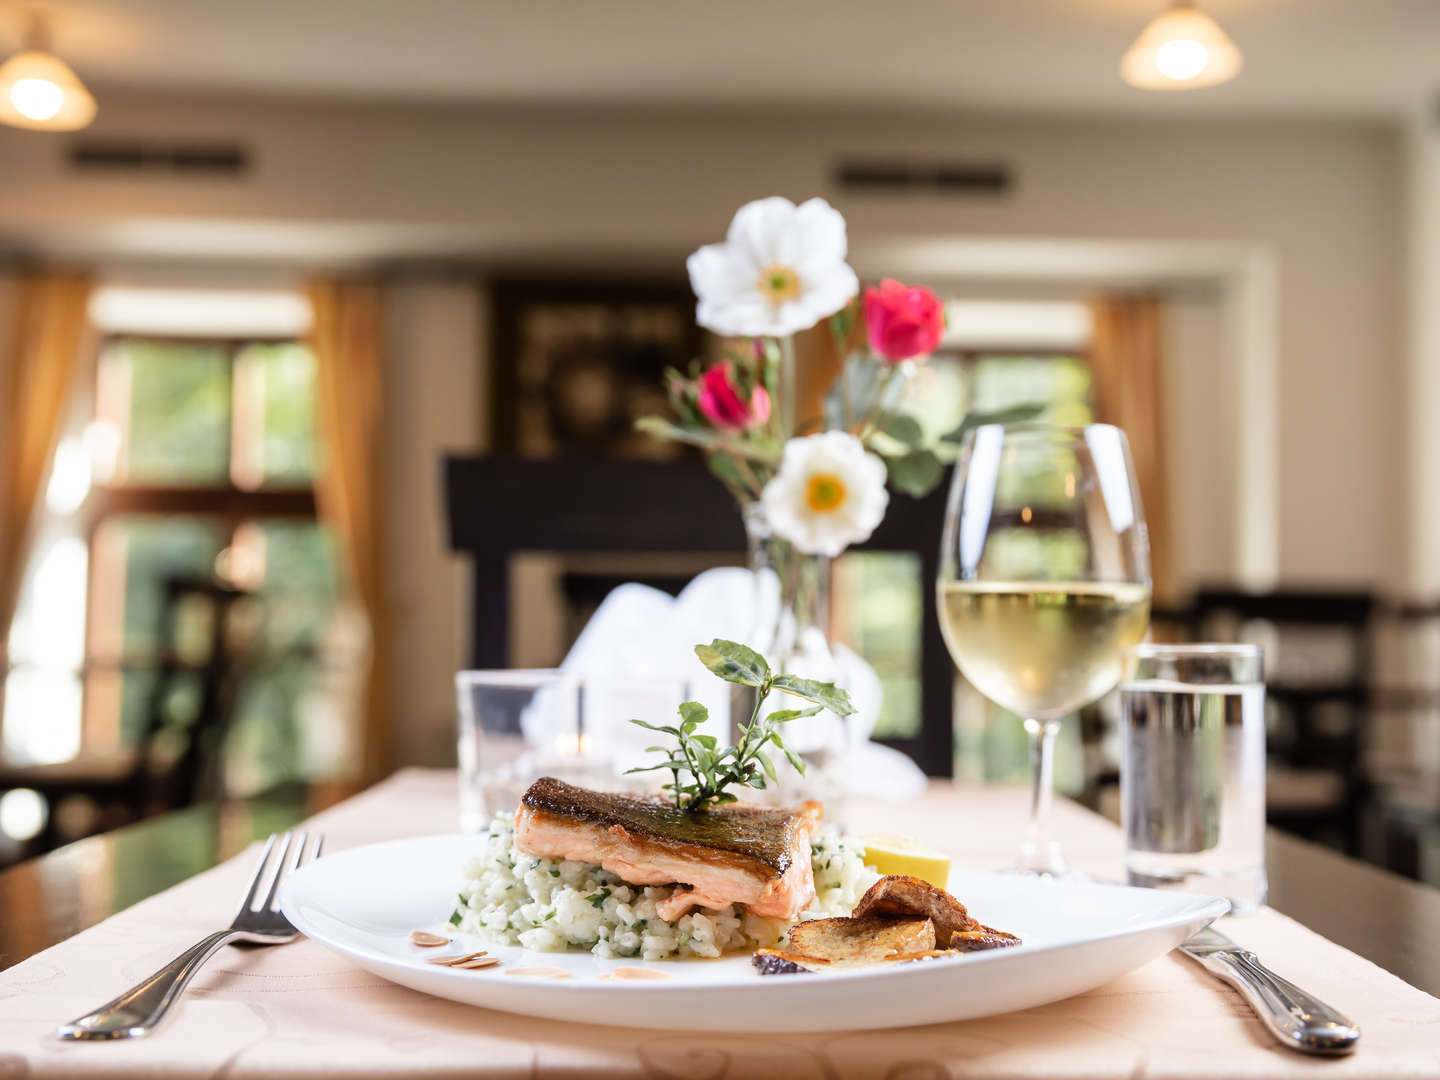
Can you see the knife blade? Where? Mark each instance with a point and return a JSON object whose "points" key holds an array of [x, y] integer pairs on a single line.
{"points": [[1299, 1020]]}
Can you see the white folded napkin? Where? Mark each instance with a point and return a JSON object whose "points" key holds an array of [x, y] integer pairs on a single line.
{"points": [[639, 647]]}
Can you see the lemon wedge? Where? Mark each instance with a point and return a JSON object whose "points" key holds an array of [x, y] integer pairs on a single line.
{"points": [[905, 855]]}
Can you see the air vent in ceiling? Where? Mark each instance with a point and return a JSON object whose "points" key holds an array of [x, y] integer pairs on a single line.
{"points": [[945, 177], [111, 155]]}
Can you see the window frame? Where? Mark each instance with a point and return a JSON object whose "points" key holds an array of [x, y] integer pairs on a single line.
{"points": [[226, 506]]}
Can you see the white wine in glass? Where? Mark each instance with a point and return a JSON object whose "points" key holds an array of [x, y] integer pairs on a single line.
{"points": [[1044, 582]]}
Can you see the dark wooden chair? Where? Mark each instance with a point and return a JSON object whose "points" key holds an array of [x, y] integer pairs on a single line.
{"points": [[172, 765], [1319, 672], [498, 506]]}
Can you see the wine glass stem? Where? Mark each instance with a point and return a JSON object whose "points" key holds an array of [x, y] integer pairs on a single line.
{"points": [[1040, 853]]}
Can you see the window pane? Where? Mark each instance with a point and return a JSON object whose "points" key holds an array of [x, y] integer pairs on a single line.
{"points": [[301, 582], [878, 611], [170, 401], [297, 576], [135, 554], [275, 416], [134, 557], [1062, 383], [937, 396]]}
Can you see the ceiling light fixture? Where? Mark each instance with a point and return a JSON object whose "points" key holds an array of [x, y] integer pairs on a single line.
{"points": [[39, 91], [1181, 49]]}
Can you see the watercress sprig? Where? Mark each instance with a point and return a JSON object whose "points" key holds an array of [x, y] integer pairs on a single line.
{"points": [[701, 770]]}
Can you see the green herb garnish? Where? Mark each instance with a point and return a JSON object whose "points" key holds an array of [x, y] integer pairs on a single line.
{"points": [[701, 770], [455, 918]]}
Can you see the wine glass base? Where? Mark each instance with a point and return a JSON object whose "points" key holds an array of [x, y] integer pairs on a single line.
{"points": [[1040, 858], [1063, 874]]}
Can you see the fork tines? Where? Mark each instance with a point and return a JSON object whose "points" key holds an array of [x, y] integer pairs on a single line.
{"points": [[283, 854]]}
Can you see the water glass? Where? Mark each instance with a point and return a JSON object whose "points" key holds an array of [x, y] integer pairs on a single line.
{"points": [[517, 726], [1192, 776]]}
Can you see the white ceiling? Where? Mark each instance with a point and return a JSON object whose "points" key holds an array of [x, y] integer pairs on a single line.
{"points": [[1324, 57]]}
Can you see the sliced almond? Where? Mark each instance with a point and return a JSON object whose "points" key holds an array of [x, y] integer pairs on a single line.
{"points": [[427, 940], [454, 961], [476, 965]]}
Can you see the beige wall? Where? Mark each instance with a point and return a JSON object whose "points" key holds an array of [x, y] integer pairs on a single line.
{"points": [[1422, 415], [432, 406]]}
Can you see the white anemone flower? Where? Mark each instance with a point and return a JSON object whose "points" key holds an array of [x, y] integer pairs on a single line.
{"points": [[828, 493], [780, 270]]}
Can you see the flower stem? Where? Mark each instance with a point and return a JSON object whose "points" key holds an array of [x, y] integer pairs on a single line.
{"points": [[743, 466], [787, 403]]}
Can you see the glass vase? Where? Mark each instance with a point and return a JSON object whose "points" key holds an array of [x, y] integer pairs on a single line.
{"points": [[791, 630]]}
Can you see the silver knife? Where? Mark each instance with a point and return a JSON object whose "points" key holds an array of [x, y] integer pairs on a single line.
{"points": [[1298, 1020]]}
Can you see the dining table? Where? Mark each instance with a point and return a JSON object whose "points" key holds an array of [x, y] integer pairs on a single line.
{"points": [[86, 921]]}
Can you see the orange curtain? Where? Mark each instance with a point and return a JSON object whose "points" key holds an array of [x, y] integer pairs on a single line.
{"points": [[346, 337], [50, 313], [1125, 365]]}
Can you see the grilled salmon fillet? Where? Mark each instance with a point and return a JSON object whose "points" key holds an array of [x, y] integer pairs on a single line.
{"points": [[733, 854]]}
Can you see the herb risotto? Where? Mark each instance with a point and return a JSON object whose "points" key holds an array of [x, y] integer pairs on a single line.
{"points": [[549, 905]]}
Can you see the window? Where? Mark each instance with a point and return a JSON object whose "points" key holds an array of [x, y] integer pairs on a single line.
{"points": [[211, 477], [198, 462]]}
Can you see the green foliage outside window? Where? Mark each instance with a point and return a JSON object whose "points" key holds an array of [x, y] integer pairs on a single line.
{"points": [[177, 423]]}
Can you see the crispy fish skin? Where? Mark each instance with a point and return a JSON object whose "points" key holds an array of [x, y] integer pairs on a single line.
{"points": [[900, 894], [732, 854]]}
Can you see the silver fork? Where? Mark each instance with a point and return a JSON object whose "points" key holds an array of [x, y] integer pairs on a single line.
{"points": [[258, 921]]}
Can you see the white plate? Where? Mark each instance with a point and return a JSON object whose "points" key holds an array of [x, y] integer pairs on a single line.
{"points": [[364, 903]]}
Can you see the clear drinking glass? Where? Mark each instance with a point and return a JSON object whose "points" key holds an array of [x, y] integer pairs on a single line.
{"points": [[1044, 582], [517, 726], [1192, 776]]}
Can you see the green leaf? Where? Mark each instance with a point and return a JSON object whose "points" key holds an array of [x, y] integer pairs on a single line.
{"points": [[725, 469], [766, 764], [660, 428], [733, 662], [455, 918], [1015, 414], [915, 473], [855, 391], [904, 428], [796, 761], [781, 716], [693, 714], [822, 693], [665, 730], [840, 324]]}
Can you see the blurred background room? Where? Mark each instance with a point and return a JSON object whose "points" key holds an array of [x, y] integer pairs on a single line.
{"points": [[316, 338]]}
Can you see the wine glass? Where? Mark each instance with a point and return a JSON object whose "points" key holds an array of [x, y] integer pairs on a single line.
{"points": [[1044, 583]]}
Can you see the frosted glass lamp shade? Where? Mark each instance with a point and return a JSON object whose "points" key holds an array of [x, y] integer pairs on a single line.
{"points": [[39, 91], [1183, 49]]}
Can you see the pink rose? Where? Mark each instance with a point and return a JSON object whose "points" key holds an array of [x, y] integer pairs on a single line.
{"points": [[903, 321], [722, 405]]}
